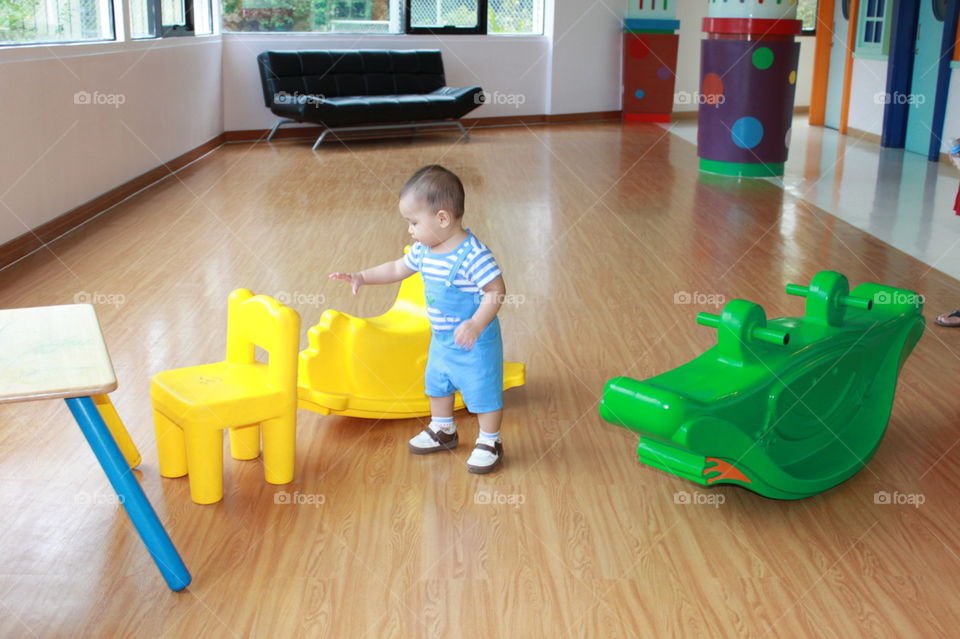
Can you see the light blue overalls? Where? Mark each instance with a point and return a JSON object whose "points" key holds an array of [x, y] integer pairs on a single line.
{"points": [[477, 373]]}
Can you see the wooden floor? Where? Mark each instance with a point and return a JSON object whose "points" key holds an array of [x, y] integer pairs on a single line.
{"points": [[598, 228]]}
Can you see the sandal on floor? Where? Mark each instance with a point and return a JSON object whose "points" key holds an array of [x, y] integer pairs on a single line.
{"points": [[430, 441], [485, 458], [956, 324]]}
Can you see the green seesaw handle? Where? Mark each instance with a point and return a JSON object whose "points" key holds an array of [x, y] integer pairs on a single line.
{"points": [[760, 333], [846, 300]]}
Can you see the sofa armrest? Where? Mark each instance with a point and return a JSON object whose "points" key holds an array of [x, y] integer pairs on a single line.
{"points": [[461, 93]]}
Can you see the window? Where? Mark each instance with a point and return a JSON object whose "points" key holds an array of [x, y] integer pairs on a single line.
{"points": [[323, 16], [48, 21], [873, 38], [446, 16], [383, 16], [474, 16], [807, 13], [175, 17]]}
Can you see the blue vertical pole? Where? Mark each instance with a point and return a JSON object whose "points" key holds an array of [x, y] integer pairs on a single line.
{"points": [[903, 40], [128, 490]]}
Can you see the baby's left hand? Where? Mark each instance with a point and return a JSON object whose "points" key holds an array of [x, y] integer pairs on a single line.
{"points": [[466, 334]]}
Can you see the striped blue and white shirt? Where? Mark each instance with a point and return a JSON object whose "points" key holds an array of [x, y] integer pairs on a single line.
{"points": [[478, 269]]}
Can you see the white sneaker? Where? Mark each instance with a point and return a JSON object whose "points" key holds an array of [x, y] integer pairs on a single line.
{"points": [[432, 441], [485, 457]]}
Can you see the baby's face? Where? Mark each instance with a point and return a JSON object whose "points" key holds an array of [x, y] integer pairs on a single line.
{"points": [[423, 225]]}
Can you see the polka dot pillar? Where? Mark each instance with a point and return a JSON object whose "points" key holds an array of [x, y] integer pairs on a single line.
{"points": [[747, 89]]}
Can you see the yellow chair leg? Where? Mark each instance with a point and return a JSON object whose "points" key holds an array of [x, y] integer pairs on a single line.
{"points": [[171, 446], [115, 425], [279, 449], [205, 463], [245, 442]]}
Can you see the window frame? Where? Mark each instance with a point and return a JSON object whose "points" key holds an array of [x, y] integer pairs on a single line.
{"points": [[816, 16], [47, 43], [172, 30], [479, 29], [873, 50], [187, 29]]}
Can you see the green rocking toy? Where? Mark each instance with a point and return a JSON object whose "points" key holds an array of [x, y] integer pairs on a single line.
{"points": [[787, 408]]}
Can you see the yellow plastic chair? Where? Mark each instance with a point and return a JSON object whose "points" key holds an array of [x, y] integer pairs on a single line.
{"points": [[374, 367], [192, 406]]}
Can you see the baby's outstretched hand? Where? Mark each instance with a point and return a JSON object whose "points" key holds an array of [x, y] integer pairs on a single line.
{"points": [[355, 279], [466, 334]]}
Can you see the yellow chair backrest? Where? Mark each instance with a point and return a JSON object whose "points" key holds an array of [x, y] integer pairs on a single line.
{"points": [[258, 320]]}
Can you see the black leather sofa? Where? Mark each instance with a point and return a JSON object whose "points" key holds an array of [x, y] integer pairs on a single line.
{"points": [[362, 90]]}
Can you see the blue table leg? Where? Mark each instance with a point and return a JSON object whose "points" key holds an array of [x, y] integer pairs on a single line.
{"points": [[125, 483]]}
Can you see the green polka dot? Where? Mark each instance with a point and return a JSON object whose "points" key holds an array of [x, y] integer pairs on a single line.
{"points": [[763, 58]]}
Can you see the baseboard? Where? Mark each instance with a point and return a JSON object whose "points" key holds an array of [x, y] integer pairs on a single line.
{"points": [[248, 135], [19, 247], [863, 135]]}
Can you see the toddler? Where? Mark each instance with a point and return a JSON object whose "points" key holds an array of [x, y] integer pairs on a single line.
{"points": [[464, 290]]}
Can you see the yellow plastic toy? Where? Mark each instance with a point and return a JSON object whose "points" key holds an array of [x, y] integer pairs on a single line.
{"points": [[374, 367], [192, 406]]}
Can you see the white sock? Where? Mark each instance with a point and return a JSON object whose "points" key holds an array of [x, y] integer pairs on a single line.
{"points": [[489, 438], [443, 423]]}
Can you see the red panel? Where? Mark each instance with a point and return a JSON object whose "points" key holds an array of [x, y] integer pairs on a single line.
{"points": [[649, 66], [752, 26]]}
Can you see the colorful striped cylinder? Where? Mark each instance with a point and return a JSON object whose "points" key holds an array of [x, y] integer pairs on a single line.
{"points": [[650, 44], [748, 75]]}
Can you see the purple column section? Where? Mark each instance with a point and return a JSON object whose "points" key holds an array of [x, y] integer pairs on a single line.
{"points": [[746, 106]]}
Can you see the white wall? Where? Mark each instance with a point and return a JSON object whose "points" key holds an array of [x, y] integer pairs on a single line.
{"points": [[585, 56], [866, 111], [514, 66], [57, 154]]}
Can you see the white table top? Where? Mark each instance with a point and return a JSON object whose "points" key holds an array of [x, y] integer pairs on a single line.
{"points": [[53, 351]]}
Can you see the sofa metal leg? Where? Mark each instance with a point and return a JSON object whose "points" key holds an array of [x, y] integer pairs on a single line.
{"points": [[320, 139], [414, 126], [277, 125]]}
